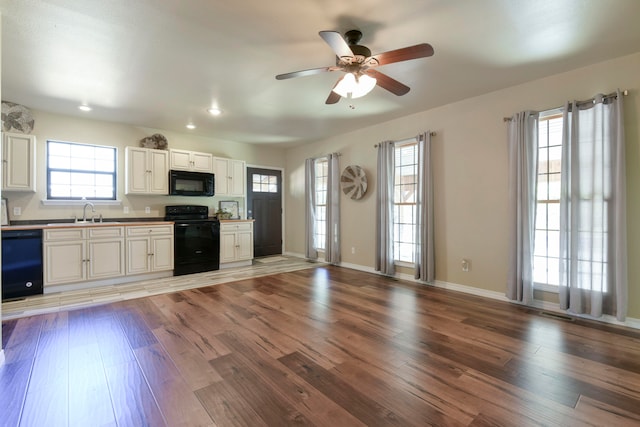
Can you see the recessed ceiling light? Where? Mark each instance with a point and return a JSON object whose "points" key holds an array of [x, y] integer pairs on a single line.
{"points": [[84, 108], [191, 126], [214, 111]]}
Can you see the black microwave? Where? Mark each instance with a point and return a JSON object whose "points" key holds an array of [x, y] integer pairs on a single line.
{"points": [[184, 183]]}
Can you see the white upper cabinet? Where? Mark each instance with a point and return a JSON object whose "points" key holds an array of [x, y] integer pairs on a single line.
{"points": [[229, 177], [18, 162], [191, 161], [147, 171]]}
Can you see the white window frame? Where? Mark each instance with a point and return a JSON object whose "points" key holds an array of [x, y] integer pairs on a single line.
{"points": [[547, 226], [321, 167], [113, 175], [406, 191]]}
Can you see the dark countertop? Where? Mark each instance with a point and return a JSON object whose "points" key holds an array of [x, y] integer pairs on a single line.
{"points": [[32, 225]]}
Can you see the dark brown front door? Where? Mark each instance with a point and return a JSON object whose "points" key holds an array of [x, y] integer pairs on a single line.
{"points": [[264, 204]]}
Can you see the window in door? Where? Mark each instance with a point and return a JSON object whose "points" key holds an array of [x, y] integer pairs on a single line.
{"points": [[264, 183], [76, 171]]}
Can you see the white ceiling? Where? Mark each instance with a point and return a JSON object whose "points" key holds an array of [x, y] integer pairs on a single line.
{"points": [[162, 63]]}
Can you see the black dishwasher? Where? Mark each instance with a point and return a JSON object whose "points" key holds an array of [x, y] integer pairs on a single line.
{"points": [[21, 263]]}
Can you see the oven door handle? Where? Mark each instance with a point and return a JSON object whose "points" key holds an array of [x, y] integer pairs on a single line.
{"points": [[182, 225]]}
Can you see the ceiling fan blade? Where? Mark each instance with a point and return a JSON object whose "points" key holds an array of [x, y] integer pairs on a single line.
{"points": [[406, 53], [386, 82], [303, 73], [333, 97], [337, 43]]}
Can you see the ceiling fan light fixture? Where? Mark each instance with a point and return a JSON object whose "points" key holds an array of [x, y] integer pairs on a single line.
{"points": [[351, 86]]}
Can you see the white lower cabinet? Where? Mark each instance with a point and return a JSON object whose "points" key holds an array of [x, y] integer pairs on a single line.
{"points": [[78, 254], [236, 242], [149, 249]]}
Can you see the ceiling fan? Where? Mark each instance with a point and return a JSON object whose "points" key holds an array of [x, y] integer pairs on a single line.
{"points": [[359, 65]]}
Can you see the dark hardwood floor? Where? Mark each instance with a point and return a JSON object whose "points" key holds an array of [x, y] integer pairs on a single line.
{"points": [[325, 346]]}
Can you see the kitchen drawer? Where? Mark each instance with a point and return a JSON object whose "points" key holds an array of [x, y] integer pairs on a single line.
{"points": [[60, 234], [240, 226], [137, 231], [101, 232]]}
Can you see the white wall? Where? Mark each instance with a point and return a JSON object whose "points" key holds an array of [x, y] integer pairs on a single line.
{"points": [[470, 174], [66, 128]]}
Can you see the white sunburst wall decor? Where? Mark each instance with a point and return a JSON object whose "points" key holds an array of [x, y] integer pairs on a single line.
{"points": [[353, 182]]}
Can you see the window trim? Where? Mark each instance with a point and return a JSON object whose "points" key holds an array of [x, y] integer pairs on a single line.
{"points": [[546, 116], [316, 162], [398, 262]]}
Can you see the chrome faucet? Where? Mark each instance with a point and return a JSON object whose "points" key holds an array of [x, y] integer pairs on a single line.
{"points": [[84, 211]]}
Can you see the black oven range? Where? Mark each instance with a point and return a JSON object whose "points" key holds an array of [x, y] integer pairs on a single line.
{"points": [[196, 239]]}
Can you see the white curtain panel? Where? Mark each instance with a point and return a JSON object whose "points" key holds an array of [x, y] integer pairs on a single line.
{"points": [[332, 246], [425, 257], [309, 208], [523, 170], [593, 242], [384, 209]]}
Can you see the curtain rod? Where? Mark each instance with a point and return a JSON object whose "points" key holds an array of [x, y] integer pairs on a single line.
{"points": [[326, 155], [406, 139], [611, 95]]}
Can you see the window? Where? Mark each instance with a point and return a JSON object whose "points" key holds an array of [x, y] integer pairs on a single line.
{"points": [[76, 171], [404, 201], [546, 264], [264, 183], [320, 229]]}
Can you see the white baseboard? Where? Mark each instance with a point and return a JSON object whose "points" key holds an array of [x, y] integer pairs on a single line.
{"points": [[294, 254], [359, 267], [542, 305]]}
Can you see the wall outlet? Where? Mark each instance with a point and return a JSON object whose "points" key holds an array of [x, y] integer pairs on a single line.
{"points": [[125, 209], [17, 211], [466, 264], [353, 249], [147, 209]]}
